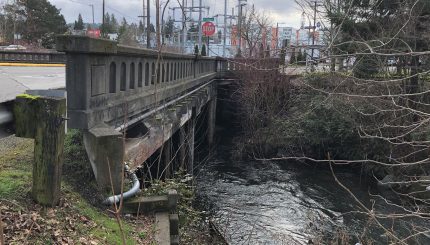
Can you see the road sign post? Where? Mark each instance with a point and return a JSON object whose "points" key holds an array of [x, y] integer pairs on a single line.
{"points": [[208, 29]]}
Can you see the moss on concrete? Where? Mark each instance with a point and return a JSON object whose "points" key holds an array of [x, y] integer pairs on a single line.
{"points": [[28, 96]]}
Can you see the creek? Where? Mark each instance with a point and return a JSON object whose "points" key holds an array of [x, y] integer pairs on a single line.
{"points": [[256, 202]]}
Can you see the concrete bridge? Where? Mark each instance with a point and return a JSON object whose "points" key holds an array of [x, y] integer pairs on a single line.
{"points": [[132, 102]]}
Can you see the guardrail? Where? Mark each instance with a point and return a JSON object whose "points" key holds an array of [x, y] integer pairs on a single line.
{"points": [[32, 57], [107, 82], [244, 64]]}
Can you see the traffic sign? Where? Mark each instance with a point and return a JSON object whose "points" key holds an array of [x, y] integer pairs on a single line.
{"points": [[208, 19], [208, 28]]}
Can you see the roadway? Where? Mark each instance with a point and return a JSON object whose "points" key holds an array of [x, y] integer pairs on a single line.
{"points": [[16, 80]]}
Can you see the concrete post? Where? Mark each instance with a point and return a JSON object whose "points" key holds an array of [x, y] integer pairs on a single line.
{"points": [[211, 120]]}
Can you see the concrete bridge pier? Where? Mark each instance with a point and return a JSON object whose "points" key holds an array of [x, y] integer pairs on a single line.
{"points": [[189, 144], [168, 165], [211, 123]]}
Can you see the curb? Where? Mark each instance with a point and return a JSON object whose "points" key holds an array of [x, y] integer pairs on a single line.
{"points": [[32, 65]]}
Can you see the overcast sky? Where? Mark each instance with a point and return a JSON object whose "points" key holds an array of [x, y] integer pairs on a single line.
{"points": [[282, 11]]}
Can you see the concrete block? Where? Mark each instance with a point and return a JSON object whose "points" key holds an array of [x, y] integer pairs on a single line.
{"points": [[174, 224], [162, 228], [174, 240], [173, 198], [106, 153], [146, 205]]}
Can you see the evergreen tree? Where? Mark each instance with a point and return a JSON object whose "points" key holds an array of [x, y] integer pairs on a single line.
{"points": [[79, 24], [196, 49], [114, 24], [141, 29], [36, 19], [203, 53], [168, 28], [152, 28], [122, 29]]}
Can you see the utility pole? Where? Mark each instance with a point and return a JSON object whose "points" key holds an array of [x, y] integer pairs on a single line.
{"points": [[157, 22], [92, 7], [103, 19], [200, 24], [143, 20], [184, 19], [184, 25], [314, 28], [148, 22], [239, 27], [225, 28]]}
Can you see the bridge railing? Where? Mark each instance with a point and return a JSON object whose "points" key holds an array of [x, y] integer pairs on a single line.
{"points": [[32, 57], [107, 83], [251, 64]]}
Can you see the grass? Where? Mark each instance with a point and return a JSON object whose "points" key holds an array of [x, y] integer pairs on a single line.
{"points": [[79, 218], [14, 183]]}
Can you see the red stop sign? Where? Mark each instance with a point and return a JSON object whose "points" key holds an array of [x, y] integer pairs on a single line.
{"points": [[208, 28]]}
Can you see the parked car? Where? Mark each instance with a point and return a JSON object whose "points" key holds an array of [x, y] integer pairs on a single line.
{"points": [[15, 47], [391, 62]]}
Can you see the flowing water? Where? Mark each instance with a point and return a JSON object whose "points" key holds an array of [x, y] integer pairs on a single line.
{"points": [[253, 202]]}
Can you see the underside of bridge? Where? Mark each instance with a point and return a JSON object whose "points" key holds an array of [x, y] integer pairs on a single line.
{"points": [[160, 143]]}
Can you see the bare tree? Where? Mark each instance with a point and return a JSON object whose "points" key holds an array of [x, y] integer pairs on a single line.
{"points": [[376, 116], [254, 27]]}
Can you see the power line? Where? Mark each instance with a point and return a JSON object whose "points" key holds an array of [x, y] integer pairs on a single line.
{"points": [[108, 7]]}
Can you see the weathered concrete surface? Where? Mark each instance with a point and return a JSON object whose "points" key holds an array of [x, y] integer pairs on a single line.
{"points": [[105, 150], [152, 204], [16, 80], [162, 230], [146, 205]]}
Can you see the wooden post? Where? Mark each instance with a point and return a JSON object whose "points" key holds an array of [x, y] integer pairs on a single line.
{"points": [[42, 118]]}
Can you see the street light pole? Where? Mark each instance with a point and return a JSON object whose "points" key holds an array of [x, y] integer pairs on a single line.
{"points": [[103, 19], [92, 7]]}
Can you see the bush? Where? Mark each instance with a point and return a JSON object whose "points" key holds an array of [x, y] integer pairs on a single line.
{"points": [[366, 66]]}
